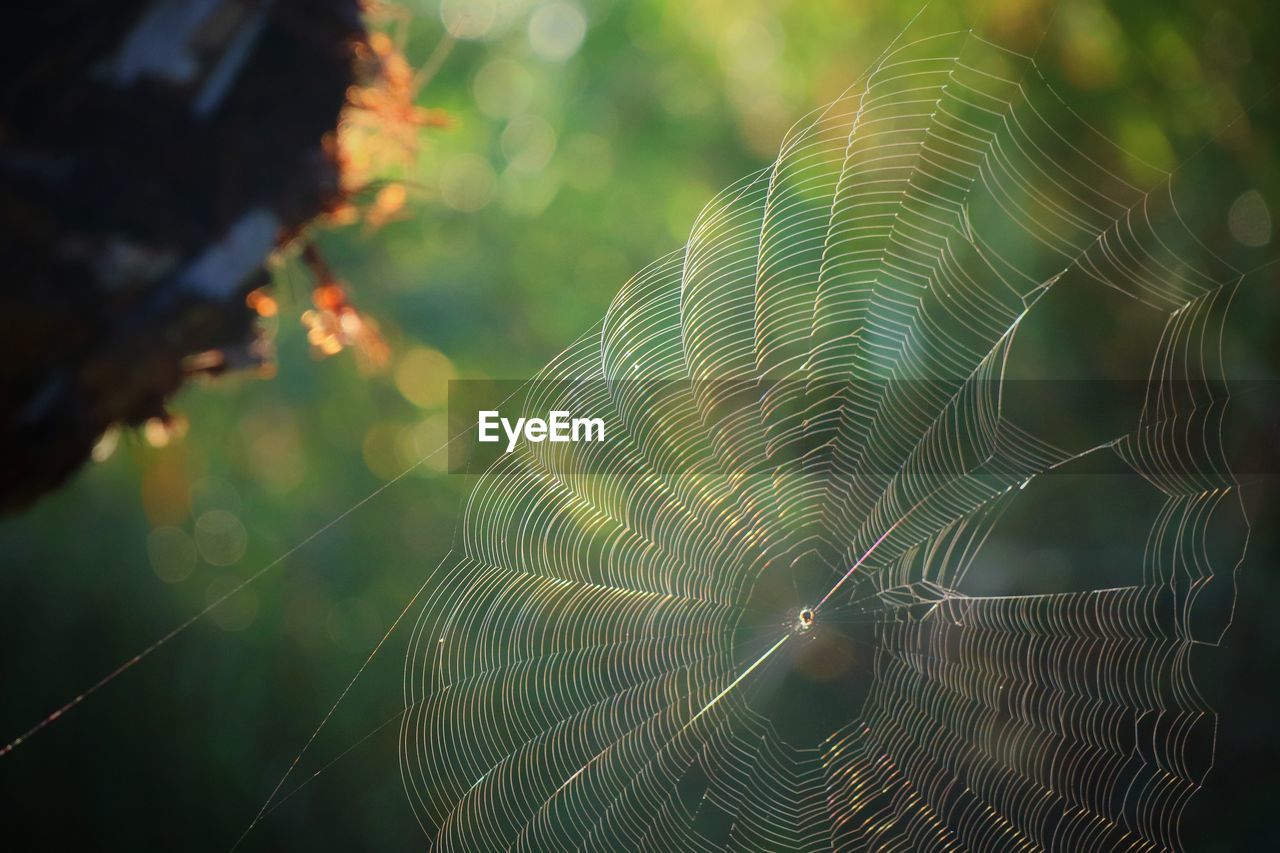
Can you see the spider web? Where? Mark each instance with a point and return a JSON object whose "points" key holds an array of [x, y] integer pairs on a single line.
{"points": [[741, 622]]}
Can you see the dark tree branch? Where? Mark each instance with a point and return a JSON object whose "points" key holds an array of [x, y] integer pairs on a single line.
{"points": [[152, 155]]}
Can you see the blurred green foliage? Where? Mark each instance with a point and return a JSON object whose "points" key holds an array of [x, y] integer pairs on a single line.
{"points": [[585, 137]]}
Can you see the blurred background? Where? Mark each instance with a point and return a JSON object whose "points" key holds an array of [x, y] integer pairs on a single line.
{"points": [[580, 138]]}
